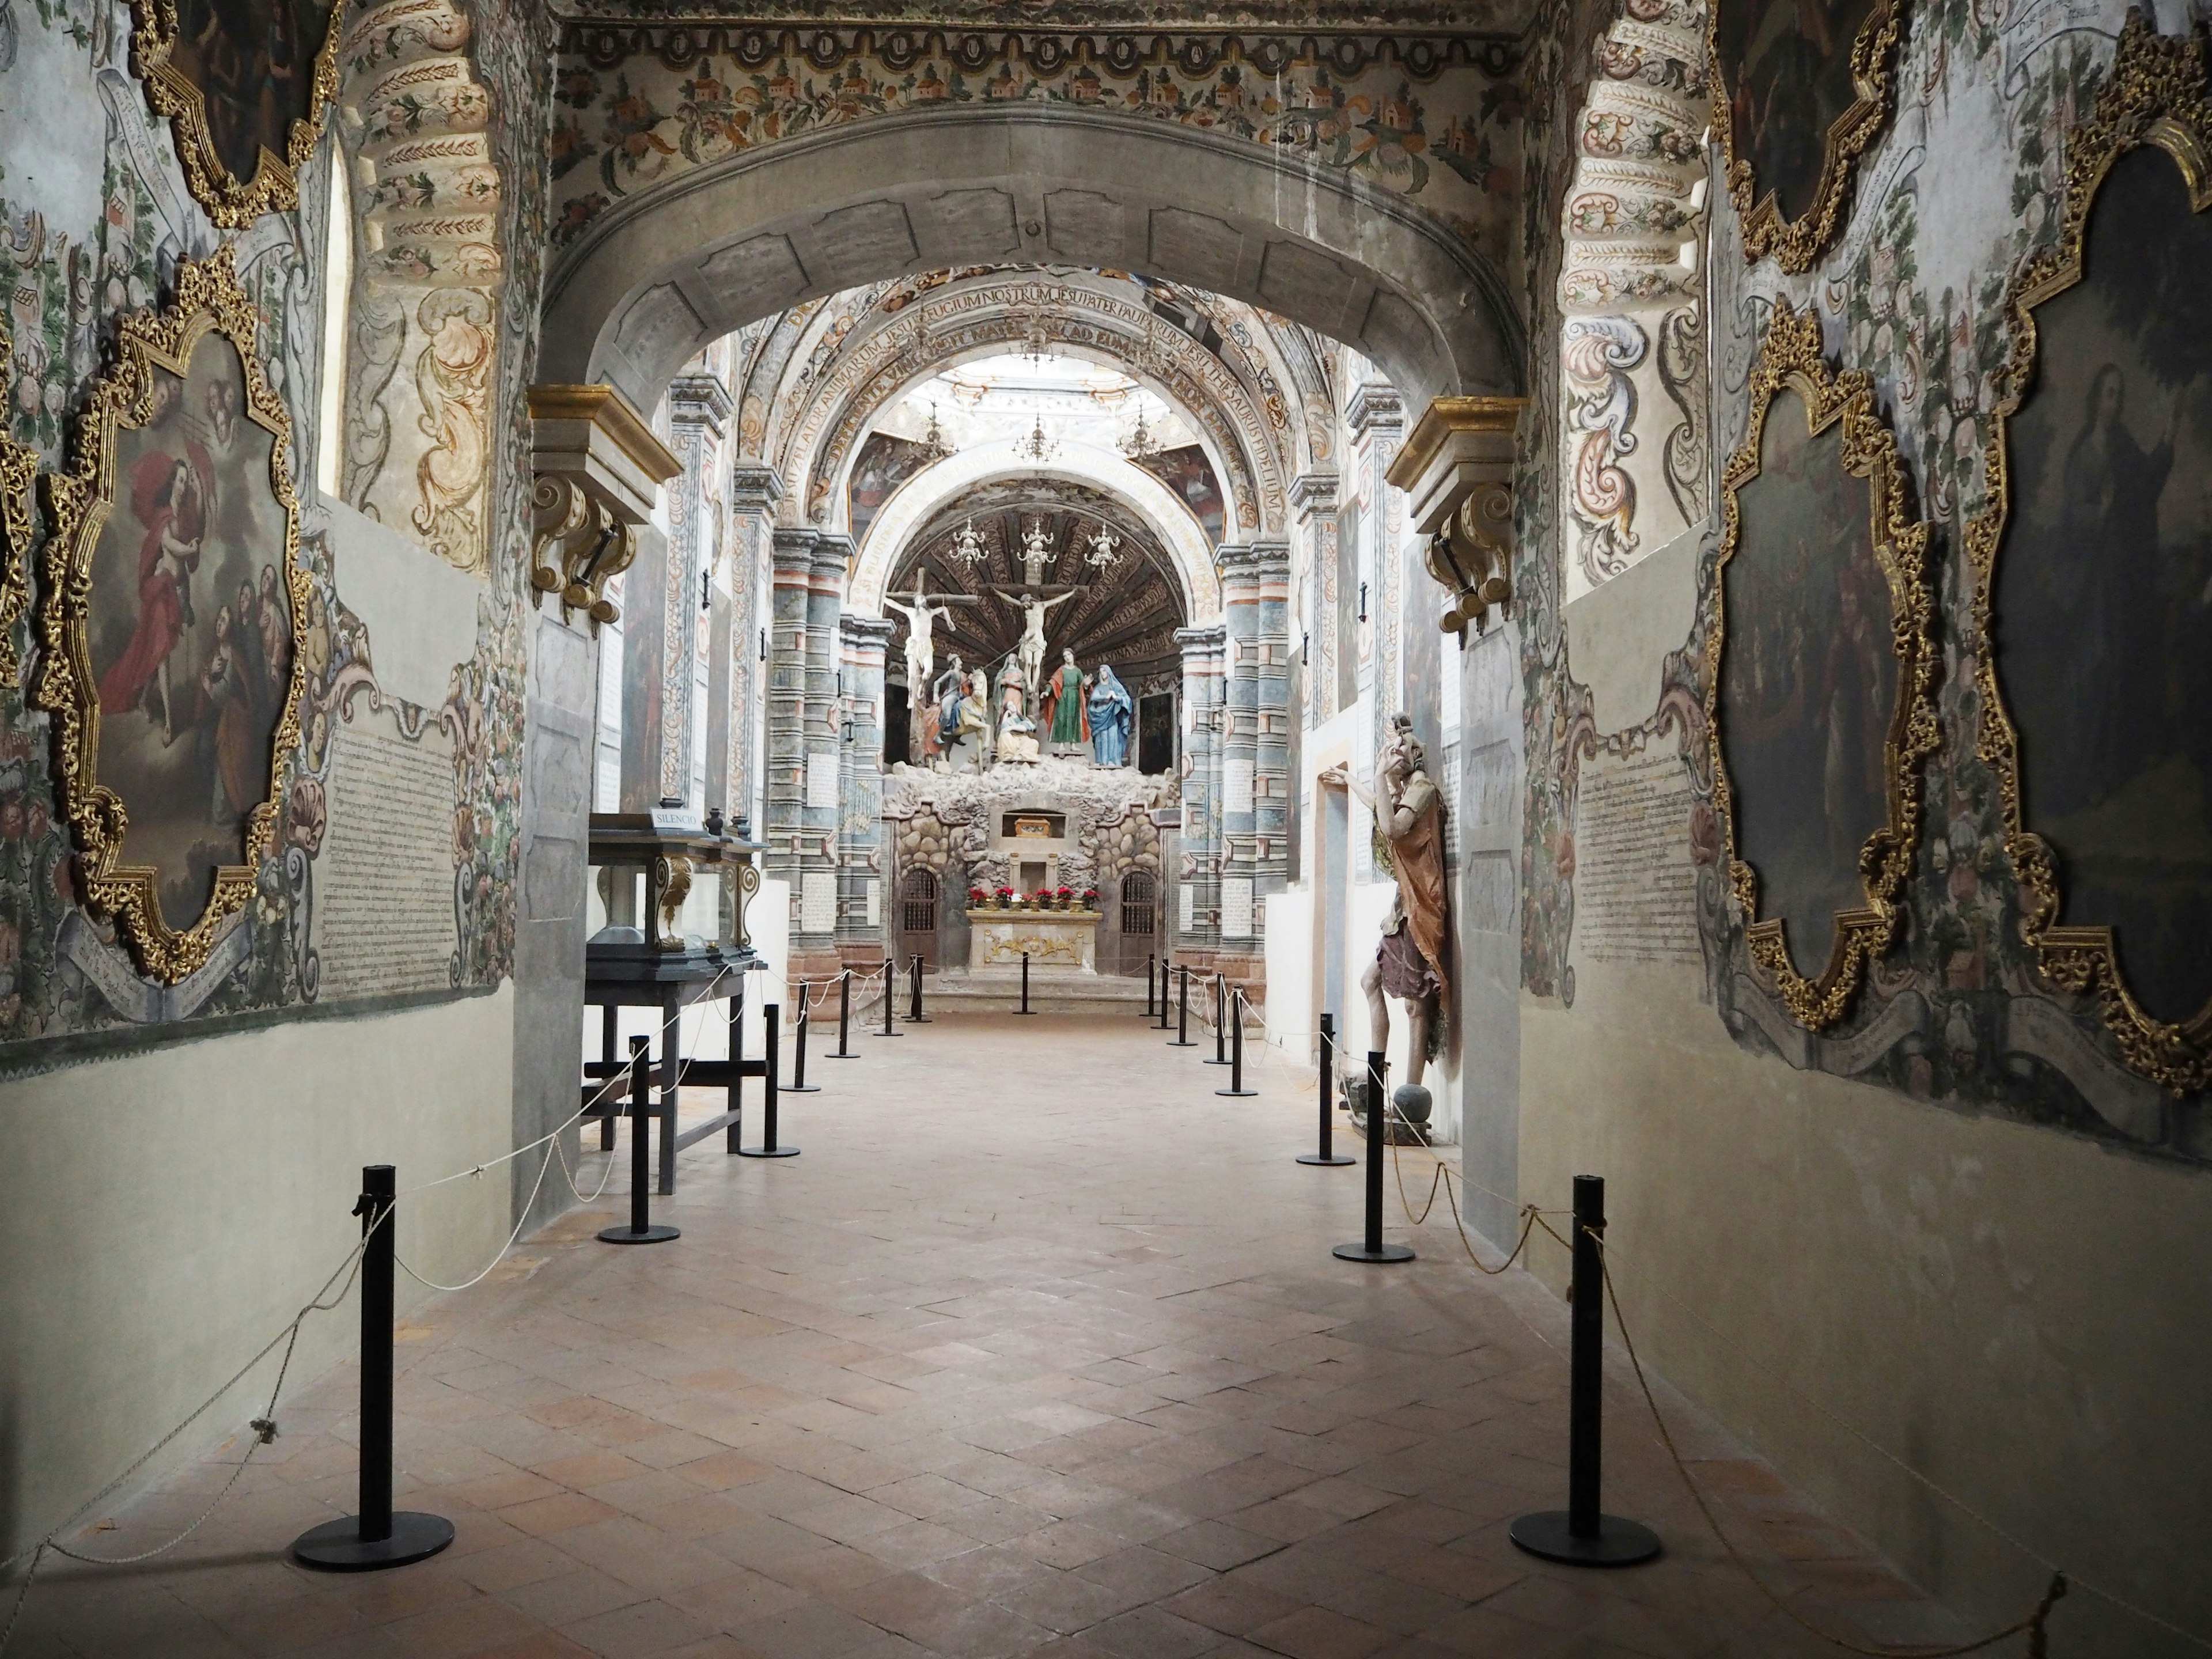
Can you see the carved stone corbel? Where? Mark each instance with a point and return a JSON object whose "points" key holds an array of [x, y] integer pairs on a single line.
{"points": [[599, 470], [1457, 469]]}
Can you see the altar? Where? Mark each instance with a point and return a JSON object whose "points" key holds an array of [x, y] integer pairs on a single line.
{"points": [[1050, 939]]}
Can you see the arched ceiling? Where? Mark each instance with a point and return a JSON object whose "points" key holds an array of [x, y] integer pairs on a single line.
{"points": [[1127, 615], [819, 376]]}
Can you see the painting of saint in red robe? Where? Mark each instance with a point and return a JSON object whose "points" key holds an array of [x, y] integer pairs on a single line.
{"points": [[188, 626]]}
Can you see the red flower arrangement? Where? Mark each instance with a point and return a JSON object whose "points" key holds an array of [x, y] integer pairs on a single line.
{"points": [[976, 896], [1089, 897]]}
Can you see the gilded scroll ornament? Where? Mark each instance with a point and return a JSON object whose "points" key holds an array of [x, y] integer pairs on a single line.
{"points": [[2094, 751], [1801, 89], [246, 88], [1819, 671], [172, 596], [19, 465]]}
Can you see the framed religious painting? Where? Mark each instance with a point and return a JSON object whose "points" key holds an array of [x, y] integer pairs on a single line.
{"points": [[1801, 89], [1819, 670], [244, 85], [171, 596], [2092, 558]]}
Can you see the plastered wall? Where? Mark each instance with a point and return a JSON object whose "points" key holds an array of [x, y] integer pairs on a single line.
{"points": [[165, 1214]]}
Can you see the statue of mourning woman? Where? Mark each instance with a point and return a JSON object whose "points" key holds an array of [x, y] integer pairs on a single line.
{"points": [[1113, 712], [1410, 964], [1017, 738]]}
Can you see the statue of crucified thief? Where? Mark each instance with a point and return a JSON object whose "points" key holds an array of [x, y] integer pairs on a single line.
{"points": [[1410, 964]]}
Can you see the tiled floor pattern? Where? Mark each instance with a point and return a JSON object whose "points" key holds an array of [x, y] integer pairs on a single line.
{"points": [[1038, 1348]]}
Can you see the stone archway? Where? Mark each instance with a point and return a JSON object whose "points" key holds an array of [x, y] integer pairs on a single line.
{"points": [[655, 279]]}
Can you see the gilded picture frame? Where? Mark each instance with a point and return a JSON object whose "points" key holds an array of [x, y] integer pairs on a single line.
{"points": [[2153, 100], [1838, 406], [226, 736], [179, 66], [19, 469], [1796, 242]]}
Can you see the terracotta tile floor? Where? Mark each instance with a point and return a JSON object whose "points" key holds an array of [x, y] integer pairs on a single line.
{"points": [[1038, 1348]]}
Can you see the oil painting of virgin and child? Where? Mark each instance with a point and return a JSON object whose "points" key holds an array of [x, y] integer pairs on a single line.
{"points": [[189, 628]]}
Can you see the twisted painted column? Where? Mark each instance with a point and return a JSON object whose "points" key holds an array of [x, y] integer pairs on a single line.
{"points": [[754, 491], [860, 816], [1198, 919]]}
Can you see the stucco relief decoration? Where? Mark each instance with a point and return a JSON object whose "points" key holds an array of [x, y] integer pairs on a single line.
{"points": [[245, 86], [1427, 117], [1597, 354], [1804, 88], [1819, 672], [2092, 582], [172, 597], [422, 358]]}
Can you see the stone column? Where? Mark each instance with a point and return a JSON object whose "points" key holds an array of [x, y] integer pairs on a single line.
{"points": [[698, 412], [1376, 417], [861, 862], [814, 940], [1313, 499], [1254, 739], [754, 491], [784, 825], [1197, 920]]}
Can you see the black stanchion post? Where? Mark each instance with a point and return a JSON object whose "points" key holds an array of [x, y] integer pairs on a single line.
{"points": [[1581, 1536], [1220, 1021], [772, 1017], [914, 1016], [1163, 994], [1025, 1007], [641, 1229], [1182, 1008], [733, 1100], [1236, 1050], [798, 1084], [377, 1537], [888, 1031], [1149, 961], [1371, 1248], [609, 1017], [845, 1017], [1326, 1154]]}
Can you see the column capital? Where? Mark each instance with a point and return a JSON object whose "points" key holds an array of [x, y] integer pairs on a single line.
{"points": [[755, 487], [1315, 492], [1197, 641], [793, 548], [832, 554], [1374, 404], [865, 630], [699, 400]]}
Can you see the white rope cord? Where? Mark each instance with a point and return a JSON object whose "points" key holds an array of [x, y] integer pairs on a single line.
{"points": [[529, 1205], [606, 1175]]}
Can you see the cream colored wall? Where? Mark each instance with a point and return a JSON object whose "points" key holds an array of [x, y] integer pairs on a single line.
{"points": [[2019, 1314], [164, 1214]]}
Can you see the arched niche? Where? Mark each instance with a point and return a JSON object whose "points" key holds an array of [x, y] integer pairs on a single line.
{"points": [[928, 492], [667, 270]]}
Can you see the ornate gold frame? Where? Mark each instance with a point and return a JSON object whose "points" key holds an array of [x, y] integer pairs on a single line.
{"points": [[2156, 94], [1796, 243], [1790, 359], [232, 202], [19, 465], [209, 299]]}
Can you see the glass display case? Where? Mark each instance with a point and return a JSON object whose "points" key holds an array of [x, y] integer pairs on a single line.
{"points": [[668, 898]]}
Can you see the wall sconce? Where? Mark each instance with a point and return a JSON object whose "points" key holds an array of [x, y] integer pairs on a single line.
{"points": [[1363, 601], [706, 592], [763, 645]]}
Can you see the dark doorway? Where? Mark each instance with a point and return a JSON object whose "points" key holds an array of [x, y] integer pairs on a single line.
{"points": [[1156, 732], [917, 917], [898, 724]]}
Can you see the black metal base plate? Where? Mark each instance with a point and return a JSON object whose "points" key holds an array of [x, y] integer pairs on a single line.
{"points": [[798, 1088], [1026, 1013], [1334, 1161], [1360, 1253], [1181, 1042], [653, 1235], [1235, 1094], [919, 1020], [767, 1152], [1618, 1543], [336, 1546], [834, 1054], [887, 1034], [1214, 1062]]}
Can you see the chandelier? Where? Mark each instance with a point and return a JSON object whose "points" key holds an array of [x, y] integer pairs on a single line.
{"points": [[934, 444], [1036, 448], [967, 551], [1139, 444], [1104, 550]]}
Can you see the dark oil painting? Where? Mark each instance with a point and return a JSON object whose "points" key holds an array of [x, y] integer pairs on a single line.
{"points": [[2102, 605], [883, 464], [1788, 70], [1809, 680], [253, 64], [189, 628], [1189, 477]]}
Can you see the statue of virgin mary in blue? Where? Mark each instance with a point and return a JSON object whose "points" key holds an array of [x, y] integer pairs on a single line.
{"points": [[1112, 713]]}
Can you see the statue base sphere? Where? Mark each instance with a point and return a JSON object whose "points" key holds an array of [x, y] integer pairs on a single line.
{"points": [[1412, 1103]]}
